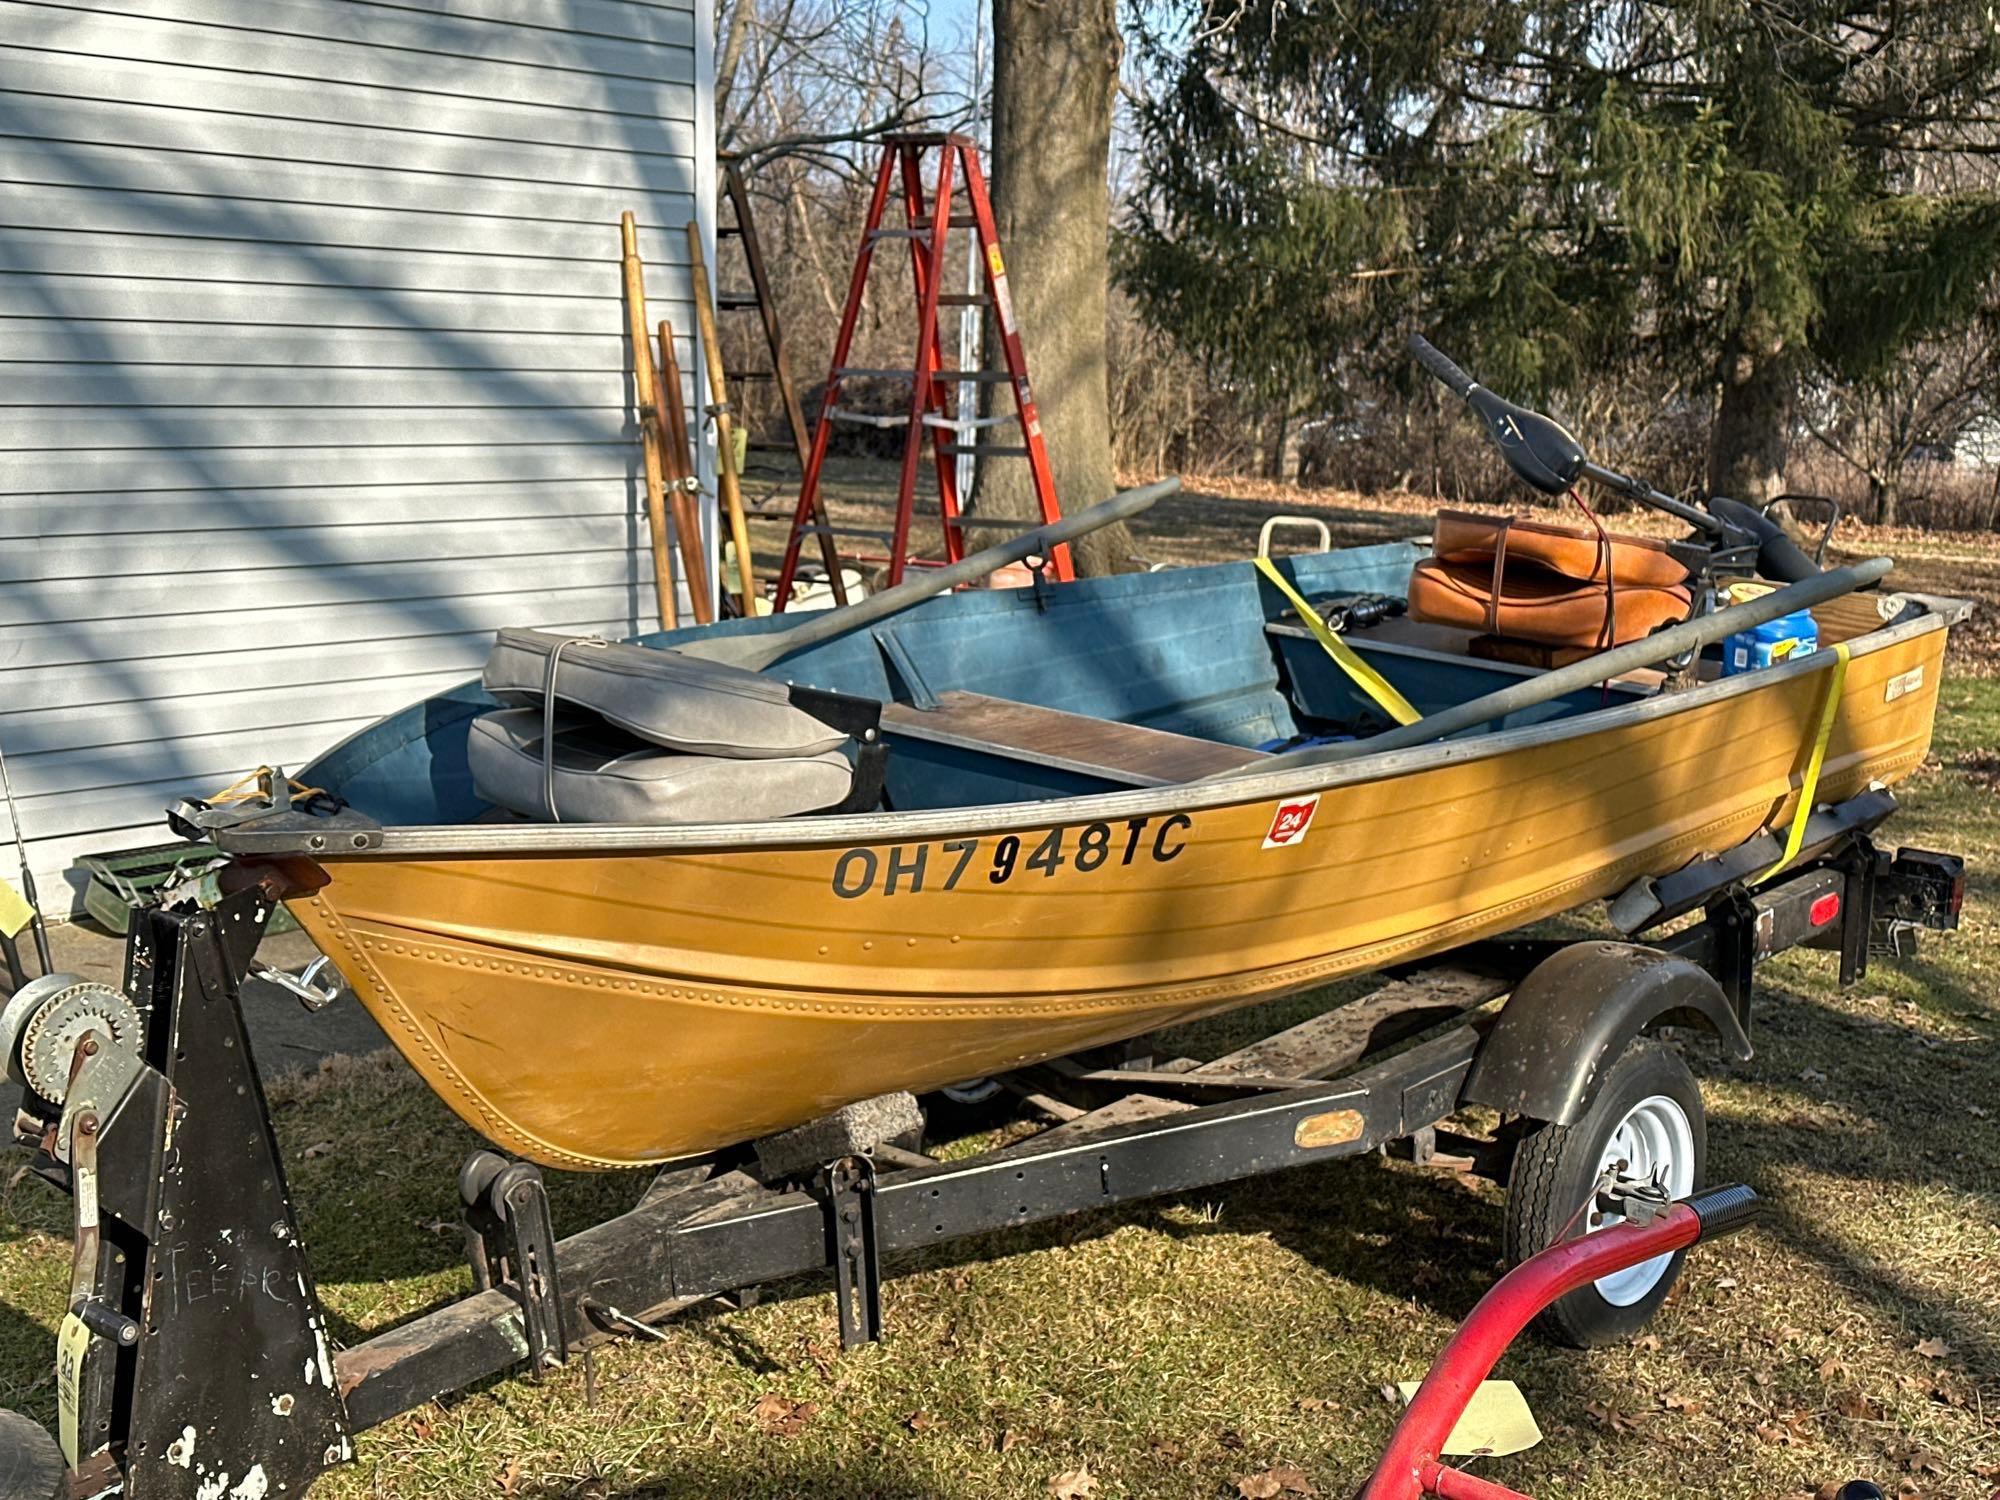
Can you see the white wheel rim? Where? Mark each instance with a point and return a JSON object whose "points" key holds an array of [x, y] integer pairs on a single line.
{"points": [[1654, 1138]]}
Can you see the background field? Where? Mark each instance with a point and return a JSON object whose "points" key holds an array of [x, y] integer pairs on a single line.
{"points": [[1237, 1341]]}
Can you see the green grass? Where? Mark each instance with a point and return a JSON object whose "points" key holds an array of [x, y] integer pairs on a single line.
{"points": [[1176, 1348]]}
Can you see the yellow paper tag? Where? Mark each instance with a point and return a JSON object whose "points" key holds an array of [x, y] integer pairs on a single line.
{"points": [[72, 1344], [15, 913], [1496, 1420]]}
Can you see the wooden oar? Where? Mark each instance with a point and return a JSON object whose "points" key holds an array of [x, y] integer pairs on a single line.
{"points": [[1662, 645], [678, 467], [727, 483], [646, 388], [756, 652]]}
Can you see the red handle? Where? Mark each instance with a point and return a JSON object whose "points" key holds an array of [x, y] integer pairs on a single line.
{"points": [[1410, 1467]]}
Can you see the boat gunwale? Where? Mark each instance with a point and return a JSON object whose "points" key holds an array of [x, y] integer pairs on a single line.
{"points": [[482, 840]]}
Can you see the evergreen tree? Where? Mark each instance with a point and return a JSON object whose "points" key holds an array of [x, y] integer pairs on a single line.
{"points": [[1734, 189]]}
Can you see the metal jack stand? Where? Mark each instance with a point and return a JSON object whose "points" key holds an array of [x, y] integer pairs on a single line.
{"points": [[511, 1242], [853, 1247]]}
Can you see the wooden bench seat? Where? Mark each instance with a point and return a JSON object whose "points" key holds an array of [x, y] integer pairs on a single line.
{"points": [[1127, 754]]}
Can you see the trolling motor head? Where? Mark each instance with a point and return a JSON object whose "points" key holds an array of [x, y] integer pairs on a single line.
{"points": [[1538, 449], [1734, 539]]}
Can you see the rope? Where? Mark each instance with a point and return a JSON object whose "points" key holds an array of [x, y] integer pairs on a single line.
{"points": [[549, 716]]}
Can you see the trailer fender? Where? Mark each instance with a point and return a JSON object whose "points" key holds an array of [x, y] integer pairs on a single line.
{"points": [[1570, 1019]]}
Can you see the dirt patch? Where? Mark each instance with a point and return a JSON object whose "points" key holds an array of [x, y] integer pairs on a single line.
{"points": [[1981, 768]]}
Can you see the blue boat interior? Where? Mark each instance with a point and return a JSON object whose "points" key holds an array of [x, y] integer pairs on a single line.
{"points": [[1211, 658]]}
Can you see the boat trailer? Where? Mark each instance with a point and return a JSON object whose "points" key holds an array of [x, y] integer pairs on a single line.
{"points": [[143, 1104]]}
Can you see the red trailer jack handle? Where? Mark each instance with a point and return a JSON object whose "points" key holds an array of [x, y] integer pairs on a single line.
{"points": [[1412, 1467]]}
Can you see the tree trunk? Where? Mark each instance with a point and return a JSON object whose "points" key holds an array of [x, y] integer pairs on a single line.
{"points": [[1746, 456], [1055, 80]]}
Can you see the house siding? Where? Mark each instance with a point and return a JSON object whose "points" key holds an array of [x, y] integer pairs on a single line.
{"points": [[312, 368]]}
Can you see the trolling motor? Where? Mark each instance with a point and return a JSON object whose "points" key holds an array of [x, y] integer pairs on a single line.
{"points": [[1731, 539]]}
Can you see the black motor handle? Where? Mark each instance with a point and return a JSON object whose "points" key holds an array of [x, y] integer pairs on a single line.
{"points": [[1440, 365], [1779, 558]]}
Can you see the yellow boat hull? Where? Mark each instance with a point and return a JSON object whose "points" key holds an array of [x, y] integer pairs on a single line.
{"points": [[617, 1006]]}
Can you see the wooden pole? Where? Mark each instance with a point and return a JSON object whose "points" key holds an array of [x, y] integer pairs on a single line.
{"points": [[725, 426], [646, 385], [678, 468]]}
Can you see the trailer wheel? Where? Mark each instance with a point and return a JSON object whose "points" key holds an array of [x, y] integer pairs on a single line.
{"points": [[1647, 1114], [31, 1465]]}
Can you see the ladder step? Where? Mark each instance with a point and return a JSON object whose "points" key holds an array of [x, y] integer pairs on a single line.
{"points": [[864, 419], [723, 231], [964, 299], [735, 301], [770, 445], [899, 234], [984, 450], [995, 523], [749, 375], [984, 377], [967, 424], [964, 221]]}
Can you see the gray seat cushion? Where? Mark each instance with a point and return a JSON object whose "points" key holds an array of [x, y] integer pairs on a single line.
{"points": [[603, 776], [682, 702]]}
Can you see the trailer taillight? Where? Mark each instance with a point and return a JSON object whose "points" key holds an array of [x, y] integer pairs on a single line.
{"points": [[1824, 910]]}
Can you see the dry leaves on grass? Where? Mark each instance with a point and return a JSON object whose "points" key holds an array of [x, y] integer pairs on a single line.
{"points": [[1933, 1348], [781, 1416], [509, 1477], [1281, 1479], [1074, 1484], [1854, 1404]]}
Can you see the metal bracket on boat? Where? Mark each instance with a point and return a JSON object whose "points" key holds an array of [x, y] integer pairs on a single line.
{"points": [[270, 820], [855, 1248], [510, 1240], [860, 719]]}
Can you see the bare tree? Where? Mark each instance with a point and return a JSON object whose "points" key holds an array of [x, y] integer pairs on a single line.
{"points": [[1055, 84]]}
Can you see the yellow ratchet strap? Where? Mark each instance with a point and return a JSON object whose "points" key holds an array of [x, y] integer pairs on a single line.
{"points": [[1829, 709], [1370, 681]]}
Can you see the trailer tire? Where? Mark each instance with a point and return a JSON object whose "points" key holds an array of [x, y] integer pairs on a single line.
{"points": [[31, 1465], [1649, 1106]]}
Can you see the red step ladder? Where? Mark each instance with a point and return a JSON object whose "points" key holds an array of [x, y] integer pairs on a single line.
{"points": [[927, 225]]}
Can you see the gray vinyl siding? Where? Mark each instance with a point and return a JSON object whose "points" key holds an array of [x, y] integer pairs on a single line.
{"points": [[312, 367]]}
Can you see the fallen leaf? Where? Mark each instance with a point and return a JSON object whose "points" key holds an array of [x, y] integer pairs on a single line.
{"points": [[1312, 1403], [1648, 1342], [1726, 1283], [316, 1150], [1923, 1461], [1074, 1484], [420, 1429], [1283, 1479], [1853, 1403], [1933, 1348], [1774, 1435], [1608, 1416], [920, 1422], [509, 1478], [1006, 1440], [1687, 1404], [1812, 1075], [780, 1416], [1390, 1394], [1831, 1368], [1230, 1438]]}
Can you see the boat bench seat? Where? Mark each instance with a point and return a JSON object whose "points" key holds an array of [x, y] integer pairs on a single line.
{"points": [[1128, 754]]}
